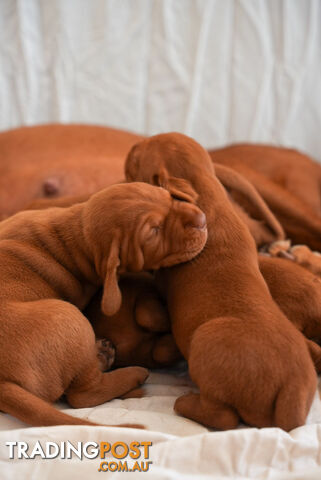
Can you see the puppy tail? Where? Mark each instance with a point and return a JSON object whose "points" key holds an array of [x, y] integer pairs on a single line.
{"points": [[293, 404], [233, 181], [300, 223], [34, 411]]}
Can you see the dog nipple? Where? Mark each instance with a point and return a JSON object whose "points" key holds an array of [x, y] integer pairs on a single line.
{"points": [[51, 186]]}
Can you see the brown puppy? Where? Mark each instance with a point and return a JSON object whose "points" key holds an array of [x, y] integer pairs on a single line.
{"points": [[135, 330], [52, 262], [140, 330], [297, 291], [291, 170], [248, 360]]}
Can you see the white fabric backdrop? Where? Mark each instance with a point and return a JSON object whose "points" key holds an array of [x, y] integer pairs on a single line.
{"points": [[219, 70]]}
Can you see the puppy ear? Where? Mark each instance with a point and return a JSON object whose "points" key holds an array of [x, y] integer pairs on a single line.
{"points": [[179, 188], [111, 300], [131, 164], [247, 197], [136, 260]]}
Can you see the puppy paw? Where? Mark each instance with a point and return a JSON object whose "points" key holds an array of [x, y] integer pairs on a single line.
{"points": [[135, 393], [301, 253], [280, 248], [138, 374], [307, 258], [105, 354]]}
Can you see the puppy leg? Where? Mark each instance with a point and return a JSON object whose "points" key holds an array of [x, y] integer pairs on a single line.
{"points": [[93, 387], [212, 413], [151, 314], [55, 352], [165, 351]]}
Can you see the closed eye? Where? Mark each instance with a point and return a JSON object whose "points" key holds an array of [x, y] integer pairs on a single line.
{"points": [[153, 232], [179, 198]]}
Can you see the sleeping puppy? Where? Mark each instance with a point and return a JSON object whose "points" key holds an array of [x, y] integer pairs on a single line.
{"points": [[246, 357], [52, 263], [140, 330]]}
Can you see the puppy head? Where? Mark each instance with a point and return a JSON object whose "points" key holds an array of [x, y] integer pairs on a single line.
{"points": [[136, 226], [170, 160]]}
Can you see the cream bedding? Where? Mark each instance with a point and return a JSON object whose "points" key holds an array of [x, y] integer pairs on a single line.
{"points": [[181, 449]]}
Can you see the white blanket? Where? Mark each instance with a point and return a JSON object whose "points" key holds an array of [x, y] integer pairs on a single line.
{"points": [[181, 448]]}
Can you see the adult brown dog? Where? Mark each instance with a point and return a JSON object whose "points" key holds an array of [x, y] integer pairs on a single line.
{"points": [[64, 160], [248, 360], [58, 160], [246, 201], [52, 262]]}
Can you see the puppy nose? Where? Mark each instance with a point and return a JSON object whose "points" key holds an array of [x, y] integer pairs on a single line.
{"points": [[197, 220]]}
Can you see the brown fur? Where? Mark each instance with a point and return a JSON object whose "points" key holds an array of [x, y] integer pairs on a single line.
{"points": [[288, 181], [248, 360], [291, 170], [140, 330], [297, 291], [52, 263], [65, 160], [250, 206], [59, 160], [135, 329]]}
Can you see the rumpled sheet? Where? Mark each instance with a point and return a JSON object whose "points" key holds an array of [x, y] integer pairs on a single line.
{"points": [[219, 70], [181, 448]]}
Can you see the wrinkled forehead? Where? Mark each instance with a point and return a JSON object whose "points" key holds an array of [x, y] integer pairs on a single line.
{"points": [[158, 204], [146, 197]]}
